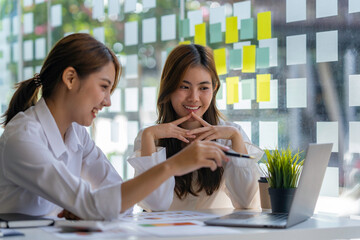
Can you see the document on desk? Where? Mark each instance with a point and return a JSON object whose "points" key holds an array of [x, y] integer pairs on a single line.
{"points": [[183, 228], [151, 217]]}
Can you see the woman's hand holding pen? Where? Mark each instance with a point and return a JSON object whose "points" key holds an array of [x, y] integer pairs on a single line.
{"points": [[196, 155]]}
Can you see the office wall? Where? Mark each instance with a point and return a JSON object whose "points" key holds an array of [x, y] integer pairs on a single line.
{"points": [[289, 68]]}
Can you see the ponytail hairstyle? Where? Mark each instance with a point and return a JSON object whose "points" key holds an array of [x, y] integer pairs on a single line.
{"points": [[178, 62], [80, 51]]}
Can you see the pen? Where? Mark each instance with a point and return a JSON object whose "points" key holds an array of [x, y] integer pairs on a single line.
{"points": [[236, 154]]}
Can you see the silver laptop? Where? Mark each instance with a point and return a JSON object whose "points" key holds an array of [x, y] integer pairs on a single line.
{"points": [[304, 201]]}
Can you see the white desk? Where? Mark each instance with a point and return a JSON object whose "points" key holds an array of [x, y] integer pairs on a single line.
{"points": [[318, 227]]}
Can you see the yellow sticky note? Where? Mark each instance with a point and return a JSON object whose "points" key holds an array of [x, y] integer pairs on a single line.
{"points": [[249, 55], [264, 25], [263, 87], [232, 90], [184, 42], [231, 34], [200, 34], [220, 61]]}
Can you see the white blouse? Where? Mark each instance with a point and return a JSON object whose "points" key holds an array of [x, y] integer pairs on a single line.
{"points": [[39, 172], [238, 187]]}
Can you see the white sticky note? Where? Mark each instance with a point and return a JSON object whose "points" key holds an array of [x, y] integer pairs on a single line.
{"points": [[131, 99], [98, 9], [39, 1], [330, 184], [296, 49], [28, 3], [149, 99], [327, 46], [133, 129], [131, 67], [40, 48], [195, 18], [99, 34], [295, 10], [242, 10], [114, 132], [272, 44], [246, 126], [354, 6], [326, 8], [296, 93], [131, 33], [240, 45], [114, 9], [242, 104], [217, 15], [221, 103], [268, 135], [273, 103], [28, 50], [15, 24], [168, 27], [130, 6], [149, 4], [149, 30], [354, 137], [115, 101], [15, 51], [354, 90], [327, 132], [5, 28], [56, 15], [28, 72], [28, 23]]}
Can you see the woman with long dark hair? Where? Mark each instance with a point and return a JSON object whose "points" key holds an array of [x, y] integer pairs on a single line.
{"points": [[187, 114], [48, 162]]}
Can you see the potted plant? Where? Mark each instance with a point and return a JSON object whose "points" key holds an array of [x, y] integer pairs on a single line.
{"points": [[283, 169]]}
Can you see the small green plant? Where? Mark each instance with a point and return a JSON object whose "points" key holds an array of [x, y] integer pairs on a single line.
{"points": [[283, 168]]}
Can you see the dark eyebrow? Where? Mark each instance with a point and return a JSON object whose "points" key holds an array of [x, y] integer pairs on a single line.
{"points": [[204, 82]]}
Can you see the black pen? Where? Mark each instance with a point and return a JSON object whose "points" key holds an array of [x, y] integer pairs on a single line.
{"points": [[236, 154]]}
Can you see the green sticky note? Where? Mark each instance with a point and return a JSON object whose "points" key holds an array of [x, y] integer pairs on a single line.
{"points": [[219, 94], [248, 89], [215, 33], [247, 29], [184, 28], [262, 57], [235, 58]]}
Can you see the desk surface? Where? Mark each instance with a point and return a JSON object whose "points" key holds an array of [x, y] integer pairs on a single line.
{"points": [[320, 226]]}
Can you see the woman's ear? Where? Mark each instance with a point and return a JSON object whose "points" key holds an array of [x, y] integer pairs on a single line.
{"points": [[69, 77]]}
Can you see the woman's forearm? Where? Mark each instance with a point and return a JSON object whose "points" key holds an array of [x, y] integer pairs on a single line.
{"points": [[148, 146]]}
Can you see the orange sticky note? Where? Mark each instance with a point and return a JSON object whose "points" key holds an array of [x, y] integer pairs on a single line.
{"points": [[264, 25], [263, 87], [184, 42], [232, 90], [200, 34], [249, 56], [231, 34], [220, 61]]}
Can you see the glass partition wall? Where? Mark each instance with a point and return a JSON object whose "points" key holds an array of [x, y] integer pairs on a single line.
{"points": [[289, 68]]}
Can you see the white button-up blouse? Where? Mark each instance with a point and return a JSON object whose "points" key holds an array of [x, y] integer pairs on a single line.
{"points": [[39, 172]]}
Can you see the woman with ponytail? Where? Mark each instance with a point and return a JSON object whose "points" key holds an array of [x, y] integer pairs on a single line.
{"points": [[49, 163]]}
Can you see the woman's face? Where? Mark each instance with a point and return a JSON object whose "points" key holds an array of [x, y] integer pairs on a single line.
{"points": [[93, 94], [194, 93]]}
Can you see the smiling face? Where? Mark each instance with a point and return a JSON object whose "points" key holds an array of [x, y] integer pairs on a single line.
{"points": [[194, 93], [93, 94]]}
